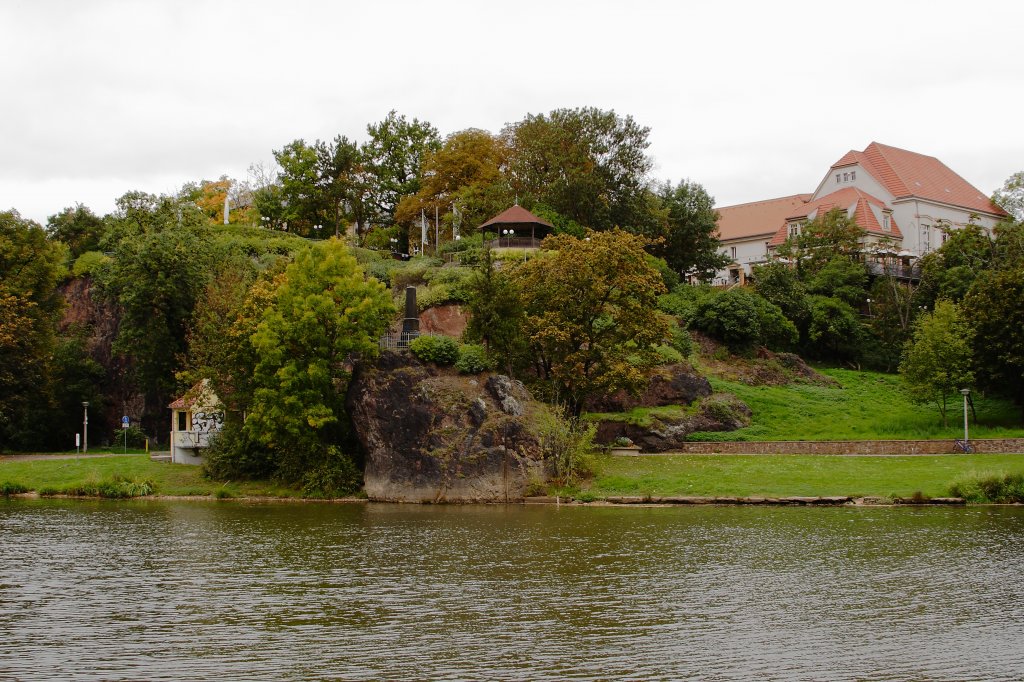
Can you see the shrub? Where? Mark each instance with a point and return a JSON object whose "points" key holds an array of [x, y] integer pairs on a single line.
{"points": [[337, 476], [473, 359], [7, 488], [233, 455], [117, 487], [681, 341], [667, 355], [89, 263], [999, 488], [441, 350], [136, 437], [568, 444]]}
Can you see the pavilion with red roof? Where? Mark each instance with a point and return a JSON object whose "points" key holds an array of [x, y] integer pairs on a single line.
{"points": [[517, 228]]}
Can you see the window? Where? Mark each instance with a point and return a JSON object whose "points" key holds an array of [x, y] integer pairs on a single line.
{"points": [[732, 252], [926, 238], [853, 175], [837, 178], [846, 177], [794, 230], [885, 223], [767, 248], [182, 421]]}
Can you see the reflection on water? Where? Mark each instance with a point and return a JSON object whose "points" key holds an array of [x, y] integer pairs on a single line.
{"points": [[166, 590]]}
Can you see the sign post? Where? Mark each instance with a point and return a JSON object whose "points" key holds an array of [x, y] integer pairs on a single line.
{"points": [[124, 425]]}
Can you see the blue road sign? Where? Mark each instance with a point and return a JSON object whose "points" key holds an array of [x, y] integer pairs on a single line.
{"points": [[125, 421]]}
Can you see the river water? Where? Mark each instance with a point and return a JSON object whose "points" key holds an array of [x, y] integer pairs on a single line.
{"points": [[164, 590]]}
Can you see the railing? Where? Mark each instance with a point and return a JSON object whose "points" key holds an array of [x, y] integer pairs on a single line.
{"points": [[911, 272], [514, 243], [399, 341]]}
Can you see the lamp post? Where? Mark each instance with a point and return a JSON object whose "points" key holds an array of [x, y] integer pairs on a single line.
{"points": [[965, 392], [317, 229], [85, 426], [265, 222], [869, 308]]}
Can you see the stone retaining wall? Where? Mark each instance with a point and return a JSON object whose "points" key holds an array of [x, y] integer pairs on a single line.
{"points": [[851, 447]]}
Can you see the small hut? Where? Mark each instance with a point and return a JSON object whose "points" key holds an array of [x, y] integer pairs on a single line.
{"points": [[516, 228], [195, 417]]}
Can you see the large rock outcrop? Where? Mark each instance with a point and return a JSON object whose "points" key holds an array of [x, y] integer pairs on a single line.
{"points": [[664, 433], [432, 435]]}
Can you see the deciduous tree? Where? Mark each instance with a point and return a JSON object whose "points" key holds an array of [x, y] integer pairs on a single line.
{"points": [[937, 361]]}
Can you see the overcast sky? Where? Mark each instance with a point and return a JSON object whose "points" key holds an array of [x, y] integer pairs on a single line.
{"points": [[752, 99]]}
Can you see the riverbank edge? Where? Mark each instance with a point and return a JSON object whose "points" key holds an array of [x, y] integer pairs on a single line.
{"points": [[611, 501]]}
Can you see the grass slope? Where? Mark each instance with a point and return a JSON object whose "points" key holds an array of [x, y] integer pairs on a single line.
{"points": [[59, 475], [869, 406], [788, 475]]}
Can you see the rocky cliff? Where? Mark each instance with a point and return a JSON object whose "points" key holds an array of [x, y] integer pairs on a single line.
{"points": [[432, 435]]}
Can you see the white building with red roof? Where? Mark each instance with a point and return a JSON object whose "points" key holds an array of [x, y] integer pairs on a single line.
{"points": [[906, 202]]}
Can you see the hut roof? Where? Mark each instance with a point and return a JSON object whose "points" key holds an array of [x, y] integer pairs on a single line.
{"points": [[517, 215]]}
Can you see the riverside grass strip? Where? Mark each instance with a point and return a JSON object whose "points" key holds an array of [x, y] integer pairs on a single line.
{"points": [[779, 476]]}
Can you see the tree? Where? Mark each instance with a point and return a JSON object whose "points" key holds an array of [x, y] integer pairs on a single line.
{"points": [[1011, 196], [937, 362], [820, 240], [589, 165], [690, 229], [591, 317], [156, 278], [30, 267], [994, 309], [834, 330], [779, 284], [394, 157], [465, 174], [496, 314], [842, 278], [948, 272], [78, 227], [322, 315]]}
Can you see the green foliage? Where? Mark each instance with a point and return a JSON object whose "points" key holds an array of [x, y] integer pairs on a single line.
{"points": [[567, 443], [591, 320], [234, 455], [994, 309], [841, 278], [90, 263], [116, 487], [992, 488], [336, 476], [78, 227], [681, 341], [394, 156], [322, 314], [742, 320], [834, 330], [937, 362], [136, 437], [689, 229], [1011, 195], [30, 267], [667, 355], [496, 315], [588, 165], [440, 350], [8, 488], [473, 359], [821, 240], [684, 300], [669, 277]]}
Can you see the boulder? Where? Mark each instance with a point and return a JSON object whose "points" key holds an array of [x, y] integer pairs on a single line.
{"points": [[431, 435], [677, 384], [720, 412]]}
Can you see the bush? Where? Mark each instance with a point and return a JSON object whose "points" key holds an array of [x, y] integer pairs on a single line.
{"points": [[742, 320], [117, 487], [473, 359], [233, 455], [667, 355], [440, 350], [337, 476], [568, 444], [89, 263], [136, 437], [681, 341], [998, 488], [7, 488]]}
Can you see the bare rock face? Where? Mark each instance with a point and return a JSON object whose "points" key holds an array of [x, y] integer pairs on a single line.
{"points": [[449, 320], [677, 384], [431, 435], [720, 412]]}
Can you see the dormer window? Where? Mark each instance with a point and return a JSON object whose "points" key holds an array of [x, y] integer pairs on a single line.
{"points": [[794, 230], [886, 222]]}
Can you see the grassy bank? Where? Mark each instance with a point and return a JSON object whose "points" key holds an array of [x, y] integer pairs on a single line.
{"points": [[109, 476], [868, 406], [793, 475]]}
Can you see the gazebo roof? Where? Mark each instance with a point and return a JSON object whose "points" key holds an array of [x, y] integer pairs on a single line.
{"points": [[517, 216]]}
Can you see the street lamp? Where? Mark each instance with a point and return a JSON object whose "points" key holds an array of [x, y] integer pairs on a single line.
{"points": [[869, 308], [318, 228], [965, 392], [265, 222], [508, 236], [85, 426]]}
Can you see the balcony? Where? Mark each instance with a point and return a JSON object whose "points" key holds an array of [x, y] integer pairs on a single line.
{"points": [[191, 440]]}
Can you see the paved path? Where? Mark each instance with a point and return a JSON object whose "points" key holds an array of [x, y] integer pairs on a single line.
{"points": [[64, 455]]}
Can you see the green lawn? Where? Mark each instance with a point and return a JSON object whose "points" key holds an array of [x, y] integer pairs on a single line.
{"points": [[789, 475], [869, 406], [57, 475]]}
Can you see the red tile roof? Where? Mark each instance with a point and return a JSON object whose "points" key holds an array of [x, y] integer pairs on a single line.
{"points": [[909, 174], [757, 217], [845, 199]]}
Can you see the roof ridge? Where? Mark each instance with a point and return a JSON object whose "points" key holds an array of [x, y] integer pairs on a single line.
{"points": [[768, 201]]}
